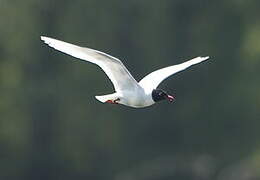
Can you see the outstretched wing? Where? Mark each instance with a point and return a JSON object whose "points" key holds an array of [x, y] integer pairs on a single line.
{"points": [[152, 80], [113, 67]]}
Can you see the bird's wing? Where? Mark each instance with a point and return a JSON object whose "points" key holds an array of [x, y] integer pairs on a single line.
{"points": [[113, 67], [152, 80]]}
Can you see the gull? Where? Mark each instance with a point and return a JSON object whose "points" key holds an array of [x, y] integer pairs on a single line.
{"points": [[128, 91]]}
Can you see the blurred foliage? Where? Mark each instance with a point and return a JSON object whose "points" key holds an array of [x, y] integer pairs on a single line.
{"points": [[52, 127]]}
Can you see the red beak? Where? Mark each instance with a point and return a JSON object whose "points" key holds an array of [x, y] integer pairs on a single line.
{"points": [[170, 98]]}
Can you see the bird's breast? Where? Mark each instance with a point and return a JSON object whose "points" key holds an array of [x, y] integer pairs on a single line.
{"points": [[137, 99]]}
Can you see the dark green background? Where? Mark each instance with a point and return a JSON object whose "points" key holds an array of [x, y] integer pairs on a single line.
{"points": [[52, 127]]}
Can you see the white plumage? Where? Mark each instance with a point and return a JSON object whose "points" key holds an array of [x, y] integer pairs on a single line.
{"points": [[127, 90]]}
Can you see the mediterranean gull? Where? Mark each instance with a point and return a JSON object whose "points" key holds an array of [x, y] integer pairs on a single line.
{"points": [[128, 91]]}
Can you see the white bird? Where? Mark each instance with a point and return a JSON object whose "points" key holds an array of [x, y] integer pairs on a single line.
{"points": [[128, 91]]}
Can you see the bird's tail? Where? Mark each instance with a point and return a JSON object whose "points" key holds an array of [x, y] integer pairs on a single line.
{"points": [[107, 97]]}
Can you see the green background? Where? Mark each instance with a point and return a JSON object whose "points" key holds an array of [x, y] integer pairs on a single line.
{"points": [[52, 127]]}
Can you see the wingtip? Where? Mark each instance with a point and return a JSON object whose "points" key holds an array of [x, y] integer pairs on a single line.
{"points": [[204, 58], [43, 37]]}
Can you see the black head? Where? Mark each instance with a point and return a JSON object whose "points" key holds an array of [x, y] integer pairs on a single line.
{"points": [[159, 95]]}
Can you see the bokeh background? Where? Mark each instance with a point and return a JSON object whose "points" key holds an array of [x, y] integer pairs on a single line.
{"points": [[52, 127]]}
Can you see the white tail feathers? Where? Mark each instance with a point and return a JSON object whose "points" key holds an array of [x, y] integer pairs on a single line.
{"points": [[107, 97]]}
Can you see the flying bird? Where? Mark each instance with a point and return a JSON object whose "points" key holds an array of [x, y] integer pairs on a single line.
{"points": [[128, 91]]}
